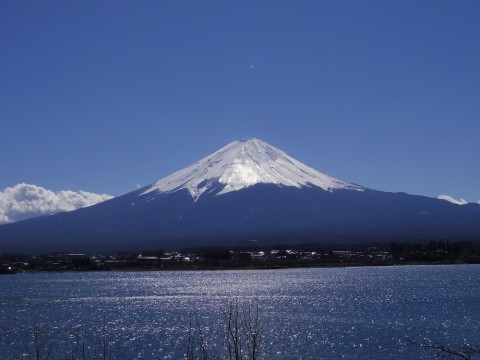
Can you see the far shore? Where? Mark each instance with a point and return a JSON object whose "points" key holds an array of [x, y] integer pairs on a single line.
{"points": [[254, 258]]}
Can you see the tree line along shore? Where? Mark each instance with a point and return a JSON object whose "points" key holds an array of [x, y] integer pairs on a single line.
{"points": [[281, 256]]}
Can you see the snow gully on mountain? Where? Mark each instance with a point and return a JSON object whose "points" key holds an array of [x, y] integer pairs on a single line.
{"points": [[241, 164]]}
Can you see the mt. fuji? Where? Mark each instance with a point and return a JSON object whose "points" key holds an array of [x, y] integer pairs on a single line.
{"points": [[247, 191], [242, 164]]}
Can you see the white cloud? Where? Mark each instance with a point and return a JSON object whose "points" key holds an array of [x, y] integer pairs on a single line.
{"points": [[24, 201], [452, 200]]}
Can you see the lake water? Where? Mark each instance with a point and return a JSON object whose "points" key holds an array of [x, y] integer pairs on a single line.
{"points": [[351, 313]]}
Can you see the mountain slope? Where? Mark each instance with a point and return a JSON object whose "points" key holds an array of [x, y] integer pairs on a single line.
{"points": [[245, 191]]}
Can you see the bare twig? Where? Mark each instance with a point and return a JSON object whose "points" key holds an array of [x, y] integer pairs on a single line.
{"points": [[251, 326], [242, 337], [446, 352], [196, 341], [234, 336], [42, 345]]}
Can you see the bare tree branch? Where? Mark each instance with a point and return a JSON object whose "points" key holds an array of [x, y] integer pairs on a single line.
{"points": [[446, 352]]}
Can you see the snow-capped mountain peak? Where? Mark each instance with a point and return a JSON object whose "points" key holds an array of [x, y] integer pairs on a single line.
{"points": [[244, 163]]}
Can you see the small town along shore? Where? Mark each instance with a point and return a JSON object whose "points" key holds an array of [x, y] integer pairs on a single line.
{"points": [[217, 258]]}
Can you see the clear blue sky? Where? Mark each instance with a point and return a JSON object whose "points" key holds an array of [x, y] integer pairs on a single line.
{"points": [[105, 95]]}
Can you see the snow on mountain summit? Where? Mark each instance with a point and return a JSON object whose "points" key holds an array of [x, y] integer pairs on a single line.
{"points": [[452, 200], [244, 163]]}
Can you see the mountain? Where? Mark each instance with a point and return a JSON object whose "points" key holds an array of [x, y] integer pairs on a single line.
{"points": [[242, 164], [248, 191]]}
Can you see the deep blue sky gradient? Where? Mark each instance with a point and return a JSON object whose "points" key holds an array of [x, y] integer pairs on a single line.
{"points": [[107, 95]]}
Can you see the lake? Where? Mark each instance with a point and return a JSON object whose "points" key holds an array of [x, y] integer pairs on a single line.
{"points": [[321, 313]]}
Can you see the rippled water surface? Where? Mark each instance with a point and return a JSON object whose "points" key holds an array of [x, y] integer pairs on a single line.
{"points": [[364, 313]]}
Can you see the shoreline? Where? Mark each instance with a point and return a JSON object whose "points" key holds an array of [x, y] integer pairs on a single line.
{"points": [[254, 258], [234, 268]]}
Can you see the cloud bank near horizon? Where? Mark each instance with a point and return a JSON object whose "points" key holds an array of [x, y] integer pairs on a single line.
{"points": [[24, 201]]}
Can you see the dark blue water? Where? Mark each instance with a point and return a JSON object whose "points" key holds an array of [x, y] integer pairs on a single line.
{"points": [[364, 313]]}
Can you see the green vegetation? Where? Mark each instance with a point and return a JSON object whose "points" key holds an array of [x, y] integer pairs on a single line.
{"points": [[436, 252], [281, 256]]}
